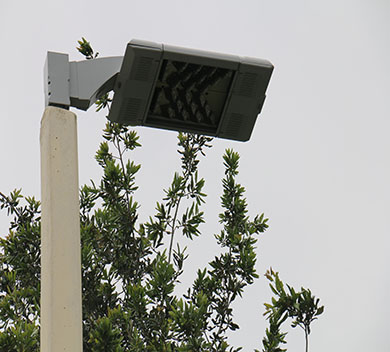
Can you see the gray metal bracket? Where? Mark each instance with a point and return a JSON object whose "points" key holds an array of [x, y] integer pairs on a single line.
{"points": [[78, 83]]}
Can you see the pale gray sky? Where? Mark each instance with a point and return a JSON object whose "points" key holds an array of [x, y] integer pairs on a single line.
{"points": [[318, 161]]}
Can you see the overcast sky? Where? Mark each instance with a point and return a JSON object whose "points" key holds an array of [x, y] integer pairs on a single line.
{"points": [[317, 163]]}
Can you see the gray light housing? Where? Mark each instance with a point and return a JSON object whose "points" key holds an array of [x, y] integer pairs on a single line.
{"points": [[166, 87]]}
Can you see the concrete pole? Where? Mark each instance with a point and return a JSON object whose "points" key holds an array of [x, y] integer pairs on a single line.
{"points": [[61, 315]]}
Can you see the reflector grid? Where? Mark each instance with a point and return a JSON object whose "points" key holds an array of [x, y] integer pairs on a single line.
{"points": [[189, 95]]}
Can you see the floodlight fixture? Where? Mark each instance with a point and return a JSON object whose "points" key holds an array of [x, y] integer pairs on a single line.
{"points": [[167, 87]]}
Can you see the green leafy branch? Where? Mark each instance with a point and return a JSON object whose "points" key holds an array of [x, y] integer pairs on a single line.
{"points": [[301, 306]]}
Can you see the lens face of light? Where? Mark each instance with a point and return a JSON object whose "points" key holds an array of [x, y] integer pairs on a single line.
{"points": [[188, 96]]}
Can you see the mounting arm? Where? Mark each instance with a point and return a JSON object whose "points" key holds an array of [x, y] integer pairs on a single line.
{"points": [[78, 83]]}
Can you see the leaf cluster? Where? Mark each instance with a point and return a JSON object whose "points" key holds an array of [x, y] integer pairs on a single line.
{"points": [[85, 49], [302, 307], [20, 274]]}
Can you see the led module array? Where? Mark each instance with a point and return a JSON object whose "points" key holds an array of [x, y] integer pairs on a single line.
{"points": [[190, 94]]}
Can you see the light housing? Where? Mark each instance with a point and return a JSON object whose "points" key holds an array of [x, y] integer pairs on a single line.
{"points": [[166, 87], [190, 90]]}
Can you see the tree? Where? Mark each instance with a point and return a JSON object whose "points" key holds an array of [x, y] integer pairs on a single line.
{"points": [[130, 270]]}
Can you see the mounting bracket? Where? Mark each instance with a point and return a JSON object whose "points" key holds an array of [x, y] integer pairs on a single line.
{"points": [[78, 83]]}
